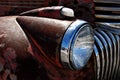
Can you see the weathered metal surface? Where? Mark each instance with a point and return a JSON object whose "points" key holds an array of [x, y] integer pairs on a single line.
{"points": [[25, 55], [83, 8], [10, 7], [47, 33], [52, 12], [14, 47], [56, 12]]}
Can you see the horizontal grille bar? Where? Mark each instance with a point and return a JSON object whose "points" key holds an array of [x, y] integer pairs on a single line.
{"points": [[114, 17], [108, 1], [108, 12], [115, 9]]}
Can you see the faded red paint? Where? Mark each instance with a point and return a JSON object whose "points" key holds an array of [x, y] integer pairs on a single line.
{"points": [[49, 12], [40, 54], [53, 70], [30, 50], [52, 12], [45, 55], [10, 7], [7, 63], [83, 8], [2, 35], [9, 55], [5, 74], [2, 63]]}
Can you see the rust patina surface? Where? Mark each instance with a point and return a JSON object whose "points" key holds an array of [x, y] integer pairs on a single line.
{"points": [[83, 8], [23, 54], [24, 45]]}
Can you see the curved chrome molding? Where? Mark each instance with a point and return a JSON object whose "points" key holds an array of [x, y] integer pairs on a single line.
{"points": [[110, 50], [96, 52], [118, 56], [106, 51], [115, 25], [102, 59], [66, 56], [109, 27]]}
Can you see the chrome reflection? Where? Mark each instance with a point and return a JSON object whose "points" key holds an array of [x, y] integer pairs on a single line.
{"points": [[110, 44], [107, 12], [107, 51], [96, 52], [102, 57], [108, 27], [77, 45]]}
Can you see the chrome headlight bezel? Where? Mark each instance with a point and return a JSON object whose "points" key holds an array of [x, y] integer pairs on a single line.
{"points": [[67, 54]]}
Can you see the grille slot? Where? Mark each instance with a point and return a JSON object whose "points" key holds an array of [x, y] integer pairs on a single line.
{"points": [[108, 1], [107, 51], [107, 11]]}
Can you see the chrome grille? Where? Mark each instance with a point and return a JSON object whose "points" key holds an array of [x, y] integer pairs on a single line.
{"points": [[108, 12], [107, 51]]}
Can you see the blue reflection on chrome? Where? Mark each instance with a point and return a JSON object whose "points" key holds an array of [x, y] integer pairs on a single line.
{"points": [[77, 45]]}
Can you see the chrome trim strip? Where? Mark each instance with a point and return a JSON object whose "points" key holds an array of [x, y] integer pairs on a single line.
{"points": [[117, 9], [102, 16]]}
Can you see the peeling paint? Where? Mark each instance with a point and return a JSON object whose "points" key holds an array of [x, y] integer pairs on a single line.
{"points": [[3, 35], [13, 77], [10, 57], [30, 49], [2, 45], [1, 66], [10, 53]]}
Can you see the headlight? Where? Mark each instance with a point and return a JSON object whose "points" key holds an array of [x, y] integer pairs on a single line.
{"points": [[77, 45]]}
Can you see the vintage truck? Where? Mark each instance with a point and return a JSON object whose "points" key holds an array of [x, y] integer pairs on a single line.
{"points": [[60, 40]]}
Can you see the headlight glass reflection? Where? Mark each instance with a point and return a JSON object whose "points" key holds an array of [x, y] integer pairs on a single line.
{"points": [[81, 47]]}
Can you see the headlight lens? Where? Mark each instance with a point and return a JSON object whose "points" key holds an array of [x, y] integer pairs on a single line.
{"points": [[77, 45]]}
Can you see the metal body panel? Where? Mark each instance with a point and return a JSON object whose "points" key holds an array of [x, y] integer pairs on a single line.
{"points": [[30, 46]]}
